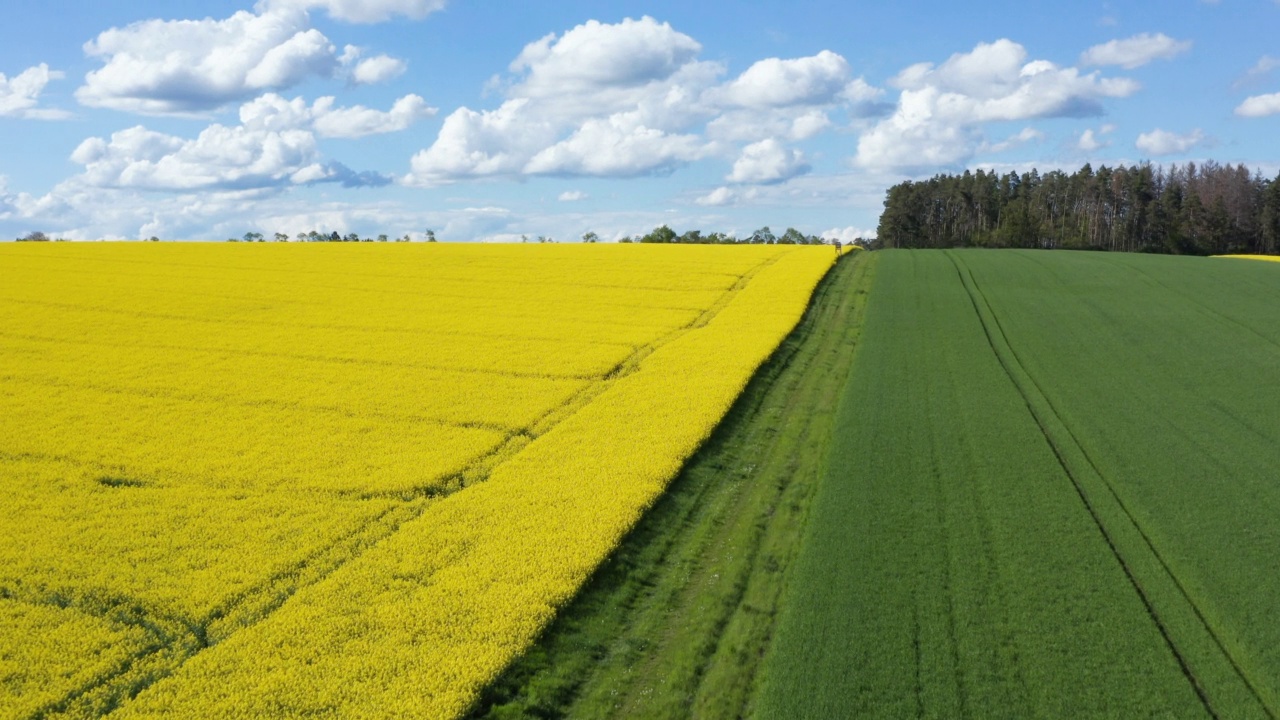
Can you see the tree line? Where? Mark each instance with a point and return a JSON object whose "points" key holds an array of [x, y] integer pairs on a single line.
{"points": [[1209, 209], [763, 236], [660, 234], [314, 236]]}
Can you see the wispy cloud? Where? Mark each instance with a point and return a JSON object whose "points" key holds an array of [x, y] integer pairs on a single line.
{"points": [[1136, 51]]}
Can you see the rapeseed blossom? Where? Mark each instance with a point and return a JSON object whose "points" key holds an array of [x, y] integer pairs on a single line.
{"points": [[356, 481]]}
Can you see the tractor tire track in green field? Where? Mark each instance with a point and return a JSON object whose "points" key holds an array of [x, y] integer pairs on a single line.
{"points": [[1064, 444], [949, 568], [1162, 327], [1161, 590]]}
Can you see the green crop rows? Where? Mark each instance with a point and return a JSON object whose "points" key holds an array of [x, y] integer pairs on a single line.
{"points": [[1054, 491]]}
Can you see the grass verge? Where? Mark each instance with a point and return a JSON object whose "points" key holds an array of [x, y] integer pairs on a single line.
{"points": [[677, 620]]}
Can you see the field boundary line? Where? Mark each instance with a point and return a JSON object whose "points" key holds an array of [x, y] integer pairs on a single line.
{"points": [[789, 350], [639, 574], [1033, 396]]}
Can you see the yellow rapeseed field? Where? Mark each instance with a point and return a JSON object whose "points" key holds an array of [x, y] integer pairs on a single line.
{"points": [[1270, 258], [278, 480]]}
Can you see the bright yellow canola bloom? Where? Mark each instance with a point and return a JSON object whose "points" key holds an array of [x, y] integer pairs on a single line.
{"points": [[1270, 258], [349, 481]]}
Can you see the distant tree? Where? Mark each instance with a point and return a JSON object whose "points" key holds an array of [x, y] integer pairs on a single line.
{"points": [[524, 238], [692, 237], [625, 239], [660, 234], [351, 237], [335, 237], [431, 235], [763, 236], [382, 238], [36, 236], [153, 238], [252, 236], [233, 239], [281, 237], [590, 237]]}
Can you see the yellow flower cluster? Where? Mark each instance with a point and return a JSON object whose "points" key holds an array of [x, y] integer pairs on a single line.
{"points": [[50, 651], [351, 481], [1270, 258]]}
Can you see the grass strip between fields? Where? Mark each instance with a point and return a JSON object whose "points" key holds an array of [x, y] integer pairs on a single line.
{"points": [[676, 621]]}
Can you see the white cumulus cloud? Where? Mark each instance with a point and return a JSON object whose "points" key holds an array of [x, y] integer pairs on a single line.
{"points": [[359, 121], [1163, 142], [193, 66], [220, 157], [480, 143], [941, 109], [599, 99], [189, 67], [272, 112], [595, 56], [719, 197], [1136, 51], [633, 98], [767, 161], [274, 146], [774, 82], [616, 146], [378, 69], [1259, 105], [20, 94], [791, 99], [572, 196]]}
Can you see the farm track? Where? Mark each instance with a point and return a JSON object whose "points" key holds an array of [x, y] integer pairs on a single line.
{"points": [[676, 622], [175, 640]]}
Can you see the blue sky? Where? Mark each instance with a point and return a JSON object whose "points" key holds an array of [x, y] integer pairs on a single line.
{"points": [[486, 120]]}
